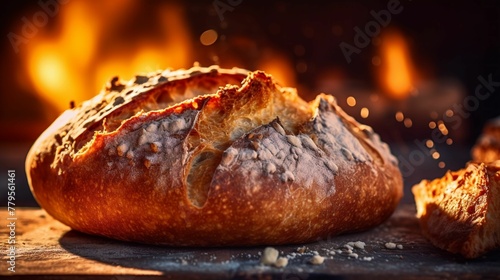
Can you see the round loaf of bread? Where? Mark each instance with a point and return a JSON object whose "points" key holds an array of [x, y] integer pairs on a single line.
{"points": [[211, 157]]}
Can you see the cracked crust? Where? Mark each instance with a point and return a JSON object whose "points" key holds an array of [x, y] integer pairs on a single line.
{"points": [[460, 212], [210, 157]]}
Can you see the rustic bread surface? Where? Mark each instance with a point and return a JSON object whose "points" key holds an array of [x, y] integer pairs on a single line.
{"points": [[460, 212], [210, 157]]}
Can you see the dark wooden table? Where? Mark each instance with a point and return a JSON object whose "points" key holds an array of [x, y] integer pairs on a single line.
{"points": [[47, 249]]}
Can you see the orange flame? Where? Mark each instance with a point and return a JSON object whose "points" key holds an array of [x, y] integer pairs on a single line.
{"points": [[397, 75], [75, 63], [279, 66]]}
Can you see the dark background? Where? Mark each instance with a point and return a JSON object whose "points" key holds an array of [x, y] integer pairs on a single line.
{"points": [[449, 41]]}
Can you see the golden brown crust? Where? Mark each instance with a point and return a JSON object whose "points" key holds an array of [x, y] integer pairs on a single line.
{"points": [[460, 212], [487, 147], [242, 165]]}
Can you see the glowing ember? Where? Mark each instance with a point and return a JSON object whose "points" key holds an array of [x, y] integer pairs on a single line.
{"points": [[400, 116], [364, 112], [435, 155], [429, 143], [208, 37], [351, 101], [408, 122], [442, 128]]}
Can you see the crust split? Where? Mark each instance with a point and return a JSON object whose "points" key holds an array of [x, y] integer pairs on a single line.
{"points": [[202, 148]]}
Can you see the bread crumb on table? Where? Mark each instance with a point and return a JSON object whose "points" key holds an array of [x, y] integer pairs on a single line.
{"points": [[301, 250], [390, 245], [270, 256], [359, 245], [348, 247], [317, 260], [281, 262], [353, 255]]}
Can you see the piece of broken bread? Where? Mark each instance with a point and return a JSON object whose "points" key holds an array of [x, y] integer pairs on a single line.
{"points": [[460, 212]]}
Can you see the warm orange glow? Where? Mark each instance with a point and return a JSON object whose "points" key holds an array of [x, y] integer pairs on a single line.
{"points": [[52, 80], [46, 64], [75, 62], [397, 72], [280, 68], [78, 38]]}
